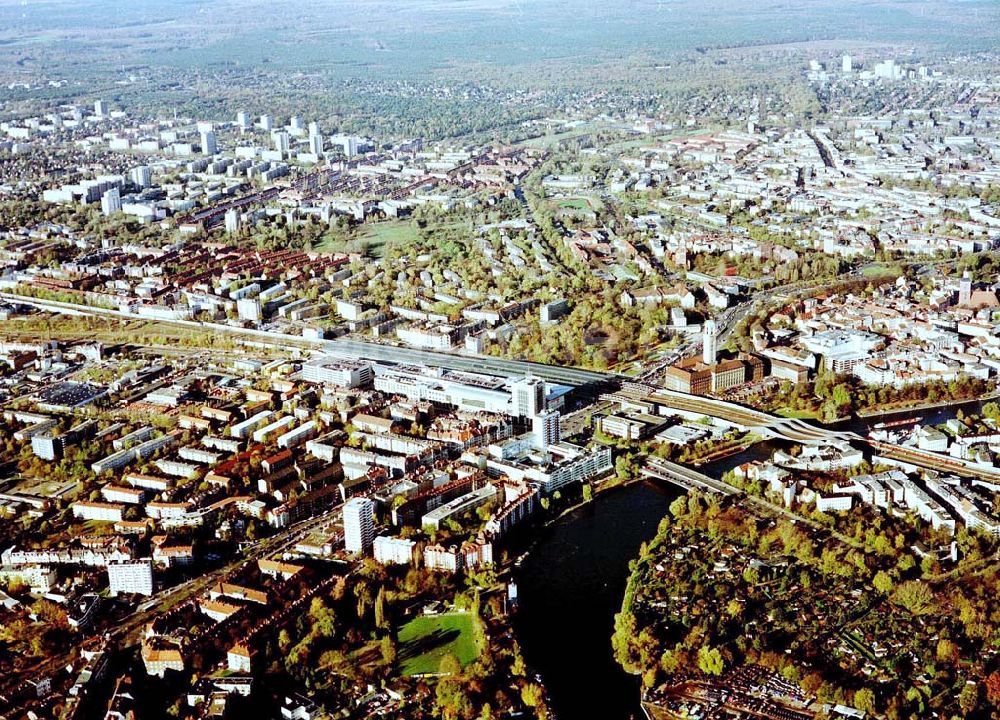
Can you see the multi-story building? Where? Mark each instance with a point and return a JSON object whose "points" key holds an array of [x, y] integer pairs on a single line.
{"points": [[158, 657], [209, 145], [282, 141], [527, 397], [243, 429], [359, 525], [519, 502], [689, 376], [560, 465], [277, 427], [132, 578], [466, 391], [124, 495], [297, 436], [393, 551], [47, 447], [709, 343], [728, 374], [105, 512], [111, 201], [163, 510], [458, 506], [239, 658], [141, 176], [123, 457], [545, 428], [39, 578], [337, 371], [438, 557]]}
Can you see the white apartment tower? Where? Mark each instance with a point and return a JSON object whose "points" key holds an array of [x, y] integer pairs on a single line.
{"points": [[709, 343], [142, 176], [965, 289], [209, 145], [232, 219], [359, 525], [528, 397], [281, 141], [111, 201], [846, 64], [545, 428]]}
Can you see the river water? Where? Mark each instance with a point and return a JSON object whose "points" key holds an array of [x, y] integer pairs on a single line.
{"points": [[571, 586]]}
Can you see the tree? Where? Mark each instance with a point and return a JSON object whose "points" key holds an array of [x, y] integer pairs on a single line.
{"points": [[532, 695], [323, 619], [449, 665], [969, 697], [992, 684], [882, 582], [915, 596], [622, 643], [380, 619], [946, 651], [388, 647], [710, 660], [864, 700]]}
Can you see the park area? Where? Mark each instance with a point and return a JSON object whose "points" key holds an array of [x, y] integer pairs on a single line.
{"points": [[371, 238], [424, 641]]}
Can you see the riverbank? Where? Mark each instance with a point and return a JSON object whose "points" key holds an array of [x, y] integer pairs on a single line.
{"points": [[728, 451], [572, 579], [899, 410]]}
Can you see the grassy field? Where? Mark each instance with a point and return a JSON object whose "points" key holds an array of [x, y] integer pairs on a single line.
{"points": [[378, 235], [575, 204], [425, 640], [375, 236], [881, 270], [797, 414], [547, 141], [113, 331]]}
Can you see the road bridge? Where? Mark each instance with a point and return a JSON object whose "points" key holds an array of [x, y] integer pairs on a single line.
{"points": [[685, 477]]}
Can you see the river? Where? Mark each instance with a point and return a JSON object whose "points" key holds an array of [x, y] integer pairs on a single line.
{"points": [[570, 588], [571, 585]]}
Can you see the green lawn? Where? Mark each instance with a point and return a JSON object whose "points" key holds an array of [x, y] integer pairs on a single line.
{"points": [[546, 140], [376, 236], [425, 640], [881, 270], [797, 414], [575, 204], [393, 231]]}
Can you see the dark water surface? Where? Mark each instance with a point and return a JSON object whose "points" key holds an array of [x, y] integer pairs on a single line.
{"points": [[571, 586]]}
